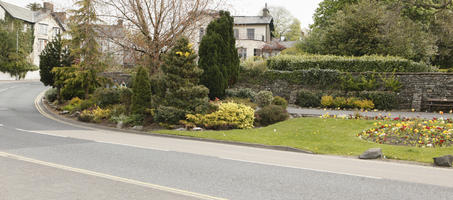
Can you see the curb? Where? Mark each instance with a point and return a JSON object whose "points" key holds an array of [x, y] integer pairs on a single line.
{"points": [[44, 109]]}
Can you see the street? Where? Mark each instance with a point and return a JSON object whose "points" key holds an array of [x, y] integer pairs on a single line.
{"points": [[41, 158]]}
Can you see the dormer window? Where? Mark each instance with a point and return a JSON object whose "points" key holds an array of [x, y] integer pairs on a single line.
{"points": [[251, 33]]}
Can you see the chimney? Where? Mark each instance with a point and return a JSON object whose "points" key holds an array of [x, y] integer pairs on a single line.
{"points": [[266, 12], [119, 22], [47, 6]]}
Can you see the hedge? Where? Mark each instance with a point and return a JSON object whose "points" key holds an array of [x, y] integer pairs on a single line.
{"points": [[313, 77], [346, 64]]}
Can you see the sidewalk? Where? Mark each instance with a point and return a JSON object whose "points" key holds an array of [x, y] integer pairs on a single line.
{"points": [[311, 112]]}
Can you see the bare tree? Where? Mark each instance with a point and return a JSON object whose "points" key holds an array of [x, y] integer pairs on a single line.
{"points": [[282, 21], [153, 26]]}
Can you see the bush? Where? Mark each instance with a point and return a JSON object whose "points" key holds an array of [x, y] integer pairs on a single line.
{"points": [[51, 95], [308, 99], [280, 101], [87, 104], [241, 93], [340, 102], [364, 104], [141, 98], [346, 64], [169, 115], [254, 66], [107, 96], [264, 98], [73, 105], [270, 115], [310, 77], [230, 115], [126, 97], [86, 116], [118, 109], [381, 100], [95, 115], [327, 101], [244, 101]]}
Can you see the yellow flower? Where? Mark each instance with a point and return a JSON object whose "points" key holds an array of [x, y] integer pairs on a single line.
{"points": [[187, 54], [179, 53]]}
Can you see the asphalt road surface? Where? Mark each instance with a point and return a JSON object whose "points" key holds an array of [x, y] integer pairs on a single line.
{"points": [[41, 158]]}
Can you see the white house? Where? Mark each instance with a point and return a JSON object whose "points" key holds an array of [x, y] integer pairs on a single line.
{"points": [[44, 22], [252, 33]]}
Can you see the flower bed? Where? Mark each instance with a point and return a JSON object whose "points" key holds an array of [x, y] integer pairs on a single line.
{"points": [[430, 133]]}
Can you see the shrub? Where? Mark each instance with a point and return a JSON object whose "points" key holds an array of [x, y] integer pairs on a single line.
{"points": [[230, 115], [100, 114], [364, 104], [346, 64], [327, 101], [86, 116], [107, 96], [241, 93], [126, 97], [51, 94], [310, 77], [340, 102], [264, 98], [350, 102], [73, 105], [141, 98], [244, 101], [169, 115], [270, 115], [308, 99], [381, 100], [87, 104], [118, 109], [254, 66], [280, 101]]}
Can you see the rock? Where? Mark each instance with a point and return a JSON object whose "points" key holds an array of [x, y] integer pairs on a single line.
{"points": [[197, 129], [64, 112], [76, 114], [120, 125], [443, 161], [373, 153], [180, 129], [137, 128]]}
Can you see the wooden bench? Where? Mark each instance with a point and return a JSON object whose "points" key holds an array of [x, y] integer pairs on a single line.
{"points": [[439, 103]]}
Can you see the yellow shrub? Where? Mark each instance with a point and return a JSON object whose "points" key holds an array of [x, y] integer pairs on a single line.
{"points": [[364, 104], [327, 101], [229, 115], [75, 101], [95, 115]]}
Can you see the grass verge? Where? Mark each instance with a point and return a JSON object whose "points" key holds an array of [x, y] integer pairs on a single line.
{"points": [[322, 136]]}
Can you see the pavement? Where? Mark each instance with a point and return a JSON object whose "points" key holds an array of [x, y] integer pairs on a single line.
{"points": [[43, 158], [319, 112]]}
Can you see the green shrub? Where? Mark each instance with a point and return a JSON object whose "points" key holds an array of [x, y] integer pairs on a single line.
{"points": [[241, 93], [327, 101], [244, 101], [254, 66], [391, 83], [351, 102], [169, 115], [346, 64], [118, 109], [51, 95], [126, 97], [270, 115], [310, 77], [87, 104], [381, 100], [340, 102], [308, 99], [230, 115], [107, 96], [280, 101], [141, 98], [264, 98], [86, 116]]}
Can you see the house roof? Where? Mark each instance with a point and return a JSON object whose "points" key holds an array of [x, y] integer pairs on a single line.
{"points": [[252, 20], [18, 12]]}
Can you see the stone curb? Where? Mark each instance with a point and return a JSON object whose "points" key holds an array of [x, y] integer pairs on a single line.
{"points": [[54, 116]]}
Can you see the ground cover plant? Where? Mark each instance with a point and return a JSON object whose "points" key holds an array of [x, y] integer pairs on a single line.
{"points": [[337, 136]]}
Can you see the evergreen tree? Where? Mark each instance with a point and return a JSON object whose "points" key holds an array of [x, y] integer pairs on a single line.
{"points": [[182, 78], [218, 56], [141, 89], [54, 55]]}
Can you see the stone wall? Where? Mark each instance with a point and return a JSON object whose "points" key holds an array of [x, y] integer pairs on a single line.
{"points": [[416, 87]]}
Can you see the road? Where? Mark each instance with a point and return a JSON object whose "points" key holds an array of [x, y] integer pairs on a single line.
{"points": [[41, 158]]}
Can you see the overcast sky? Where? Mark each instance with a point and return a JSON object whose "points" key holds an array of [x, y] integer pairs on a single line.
{"points": [[302, 9]]}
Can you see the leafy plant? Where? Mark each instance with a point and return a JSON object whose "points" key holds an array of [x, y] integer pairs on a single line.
{"points": [[264, 98], [391, 83], [308, 99], [271, 114], [280, 101]]}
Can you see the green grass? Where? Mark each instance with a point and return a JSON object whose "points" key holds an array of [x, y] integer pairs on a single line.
{"points": [[322, 136]]}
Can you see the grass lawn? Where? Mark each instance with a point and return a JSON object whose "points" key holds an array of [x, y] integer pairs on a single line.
{"points": [[323, 136]]}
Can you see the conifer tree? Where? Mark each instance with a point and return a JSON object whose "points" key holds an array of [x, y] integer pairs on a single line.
{"points": [[141, 91], [182, 78], [54, 55], [218, 56]]}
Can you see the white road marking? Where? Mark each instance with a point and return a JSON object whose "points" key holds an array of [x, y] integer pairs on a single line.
{"points": [[2, 90], [110, 177]]}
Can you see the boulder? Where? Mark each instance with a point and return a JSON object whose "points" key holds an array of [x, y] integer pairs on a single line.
{"points": [[64, 112], [137, 128], [120, 125], [373, 153], [197, 129], [443, 161]]}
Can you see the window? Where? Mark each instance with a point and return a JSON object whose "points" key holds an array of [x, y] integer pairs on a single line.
{"points": [[236, 34], [257, 52], [55, 31], [42, 29], [41, 45], [242, 52], [201, 33], [251, 33]]}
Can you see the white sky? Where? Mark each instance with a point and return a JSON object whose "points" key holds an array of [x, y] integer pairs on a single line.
{"points": [[302, 9]]}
